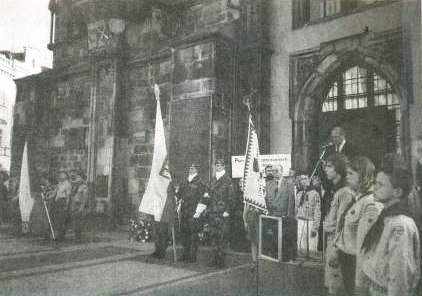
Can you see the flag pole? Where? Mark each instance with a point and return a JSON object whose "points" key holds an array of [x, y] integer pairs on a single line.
{"points": [[247, 101], [173, 236], [48, 215], [257, 272]]}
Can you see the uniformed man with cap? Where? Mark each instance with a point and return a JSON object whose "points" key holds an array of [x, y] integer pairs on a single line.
{"points": [[192, 206], [221, 200]]}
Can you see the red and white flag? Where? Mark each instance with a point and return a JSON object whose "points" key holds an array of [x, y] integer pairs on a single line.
{"points": [[253, 180], [155, 196], [26, 202]]}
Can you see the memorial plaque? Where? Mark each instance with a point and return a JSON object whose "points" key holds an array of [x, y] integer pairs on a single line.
{"points": [[190, 138]]}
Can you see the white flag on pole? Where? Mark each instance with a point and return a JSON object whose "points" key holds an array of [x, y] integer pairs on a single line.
{"points": [[26, 202], [155, 195], [254, 182]]}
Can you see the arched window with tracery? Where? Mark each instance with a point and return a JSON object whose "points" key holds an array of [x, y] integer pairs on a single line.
{"points": [[360, 88]]}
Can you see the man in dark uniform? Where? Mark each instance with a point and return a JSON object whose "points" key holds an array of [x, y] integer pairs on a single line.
{"points": [[192, 203], [162, 229], [286, 197], [271, 189], [222, 195]]}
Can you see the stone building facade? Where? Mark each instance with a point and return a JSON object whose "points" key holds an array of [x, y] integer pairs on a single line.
{"points": [[309, 65], [14, 64]]}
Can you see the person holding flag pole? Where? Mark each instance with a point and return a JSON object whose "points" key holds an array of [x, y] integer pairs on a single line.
{"points": [[253, 190], [157, 199], [48, 193]]}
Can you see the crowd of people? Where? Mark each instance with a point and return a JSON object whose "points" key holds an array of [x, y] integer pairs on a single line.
{"points": [[66, 201], [364, 219]]}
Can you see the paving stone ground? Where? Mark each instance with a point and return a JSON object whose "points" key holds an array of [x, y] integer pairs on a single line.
{"points": [[106, 263]]}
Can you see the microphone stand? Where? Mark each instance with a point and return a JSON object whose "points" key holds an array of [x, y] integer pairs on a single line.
{"points": [[321, 157], [324, 151]]}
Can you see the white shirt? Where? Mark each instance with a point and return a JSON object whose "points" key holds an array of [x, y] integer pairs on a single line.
{"points": [[339, 148], [220, 174], [190, 177]]}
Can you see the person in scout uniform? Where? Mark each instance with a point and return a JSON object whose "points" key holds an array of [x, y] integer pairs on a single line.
{"points": [[355, 222], [78, 204], [221, 195], [308, 215], [335, 170], [61, 205], [391, 261], [192, 206]]}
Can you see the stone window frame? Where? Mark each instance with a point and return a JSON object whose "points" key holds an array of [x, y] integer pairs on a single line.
{"points": [[301, 18], [373, 92]]}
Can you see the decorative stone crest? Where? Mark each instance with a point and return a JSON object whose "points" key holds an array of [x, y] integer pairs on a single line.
{"points": [[104, 35]]}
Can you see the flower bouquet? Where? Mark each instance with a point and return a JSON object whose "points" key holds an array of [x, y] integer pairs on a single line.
{"points": [[140, 229]]}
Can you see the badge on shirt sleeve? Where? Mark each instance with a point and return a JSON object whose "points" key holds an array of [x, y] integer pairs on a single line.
{"points": [[398, 232]]}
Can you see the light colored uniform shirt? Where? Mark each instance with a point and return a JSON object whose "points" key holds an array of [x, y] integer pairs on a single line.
{"points": [[358, 220], [392, 267], [310, 209], [338, 205], [80, 198], [341, 199], [64, 190]]}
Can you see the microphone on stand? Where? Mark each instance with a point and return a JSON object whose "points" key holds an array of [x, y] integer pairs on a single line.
{"points": [[327, 145]]}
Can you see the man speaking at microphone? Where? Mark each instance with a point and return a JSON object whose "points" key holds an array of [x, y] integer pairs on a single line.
{"points": [[339, 144]]}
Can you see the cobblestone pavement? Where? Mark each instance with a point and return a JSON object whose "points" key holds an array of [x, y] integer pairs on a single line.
{"points": [[106, 263]]}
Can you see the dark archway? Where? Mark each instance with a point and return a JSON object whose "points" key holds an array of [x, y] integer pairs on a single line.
{"points": [[306, 140]]}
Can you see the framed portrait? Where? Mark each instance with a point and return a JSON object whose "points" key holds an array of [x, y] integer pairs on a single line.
{"points": [[270, 238]]}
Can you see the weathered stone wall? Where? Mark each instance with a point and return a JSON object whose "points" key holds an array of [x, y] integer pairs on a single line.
{"points": [[53, 117], [141, 119], [188, 50], [287, 42]]}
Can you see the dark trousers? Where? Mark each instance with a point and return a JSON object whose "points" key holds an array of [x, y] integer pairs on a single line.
{"points": [[289, 238], [3, 210], [219, 238], [77, 220], [348, 270], [189, 233], [161, 238], [61, 218]]}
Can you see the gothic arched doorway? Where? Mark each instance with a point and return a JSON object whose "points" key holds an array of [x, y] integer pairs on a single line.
{"points": [[351, 91], [363, 102]]}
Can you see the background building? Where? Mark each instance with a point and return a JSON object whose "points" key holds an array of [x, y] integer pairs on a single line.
{"points": [[13, 65], [308, 65]]}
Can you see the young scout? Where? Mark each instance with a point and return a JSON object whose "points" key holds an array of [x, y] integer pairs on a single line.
{"points": [[391, 248]]}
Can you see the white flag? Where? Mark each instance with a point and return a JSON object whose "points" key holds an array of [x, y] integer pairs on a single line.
{"points": [[155, 195], [25, 200], [254, 182]]}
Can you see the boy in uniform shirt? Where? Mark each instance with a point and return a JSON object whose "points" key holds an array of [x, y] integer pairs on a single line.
{"points": [[391, 261]]}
